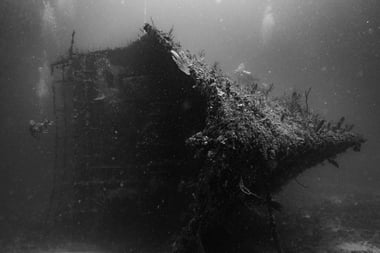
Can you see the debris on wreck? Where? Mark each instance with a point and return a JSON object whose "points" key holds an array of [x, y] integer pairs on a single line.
{"points": [[151, 130]]}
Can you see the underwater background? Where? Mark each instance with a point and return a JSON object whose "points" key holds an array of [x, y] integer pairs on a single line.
{"points": [[330, 46]]}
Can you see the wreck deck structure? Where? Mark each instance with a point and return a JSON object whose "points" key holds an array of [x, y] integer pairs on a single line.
{"points": [[150, 138]]}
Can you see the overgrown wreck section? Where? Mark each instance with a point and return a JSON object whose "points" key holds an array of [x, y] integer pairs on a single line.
{"points": [[151, 138]]}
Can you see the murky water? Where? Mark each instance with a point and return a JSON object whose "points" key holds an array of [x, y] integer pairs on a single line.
{"points": [[331, 47]]}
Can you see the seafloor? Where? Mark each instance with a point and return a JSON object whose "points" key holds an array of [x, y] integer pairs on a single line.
{"points": [[339, 224], [348, 223]]}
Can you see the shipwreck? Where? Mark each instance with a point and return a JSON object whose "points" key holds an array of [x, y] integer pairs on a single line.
{"points": [[154, 144]]}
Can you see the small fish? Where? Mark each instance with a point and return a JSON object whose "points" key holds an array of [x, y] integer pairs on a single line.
{"points": [[38, 128], [100, 97]]}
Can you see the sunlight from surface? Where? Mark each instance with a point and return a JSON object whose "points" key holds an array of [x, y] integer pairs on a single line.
{"points": [[42, 89], [49, 23], [67, 7], [268, 24]]}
